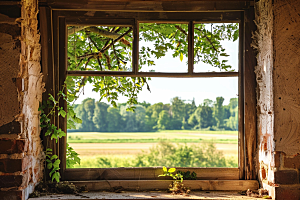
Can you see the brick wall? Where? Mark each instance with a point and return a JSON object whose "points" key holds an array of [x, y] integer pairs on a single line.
{"points": [[20, 92]]}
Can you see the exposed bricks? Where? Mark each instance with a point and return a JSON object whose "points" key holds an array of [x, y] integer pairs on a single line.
{"points": [[12, 195], [7, 181], [292, 162], [13, 165], [284, 193], [13, 127], [12, 30], [13, 146], [286, 177]]}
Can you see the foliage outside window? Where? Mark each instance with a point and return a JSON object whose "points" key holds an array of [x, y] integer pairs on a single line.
{"points": [[110, 49]]}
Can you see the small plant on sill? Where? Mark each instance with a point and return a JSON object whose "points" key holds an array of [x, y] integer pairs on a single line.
{"points": [[177, 187]]}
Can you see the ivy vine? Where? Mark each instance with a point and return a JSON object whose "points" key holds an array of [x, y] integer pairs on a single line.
{"points": [[50, 109]]}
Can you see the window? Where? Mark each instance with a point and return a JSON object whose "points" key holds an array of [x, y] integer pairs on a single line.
{"points": [[132, 22]]}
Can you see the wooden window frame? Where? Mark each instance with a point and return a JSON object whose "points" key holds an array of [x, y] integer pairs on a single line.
{"points": [[53, 27]]}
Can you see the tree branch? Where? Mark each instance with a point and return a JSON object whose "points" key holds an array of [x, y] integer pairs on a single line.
{"points": [[116, 40], [105, 48], [118, 61], [208, 39], [93, 29], [181, 30], [75, 29]]}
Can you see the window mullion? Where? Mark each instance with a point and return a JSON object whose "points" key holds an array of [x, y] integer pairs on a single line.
{"points": [[135, 47], [191, 48]]}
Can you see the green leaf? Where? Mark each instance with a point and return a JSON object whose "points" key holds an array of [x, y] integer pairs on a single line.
{"points": [[61, 134], [56, 176], [48, 132], [51, 98], [49, 165], [181, 57], [171, 170], [62, 113], [77, 120], [56, 163], [165, 169], [224, 54]]}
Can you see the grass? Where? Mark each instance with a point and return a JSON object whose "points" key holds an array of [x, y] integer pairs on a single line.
{"points": [[153, 140], [180, 136], [119, 161], [120, 149], [116, 160]]}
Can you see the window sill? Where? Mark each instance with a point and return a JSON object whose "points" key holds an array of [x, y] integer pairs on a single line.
{"points": [[148, 195], [142, 185]]}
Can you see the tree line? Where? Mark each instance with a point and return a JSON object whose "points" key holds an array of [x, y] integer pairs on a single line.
{"points": [[178, 115]]}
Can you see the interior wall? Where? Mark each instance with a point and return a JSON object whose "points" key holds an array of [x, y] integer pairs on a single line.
{"points": [[278, 96], [21, 88], [286, 76], [264, 75]]}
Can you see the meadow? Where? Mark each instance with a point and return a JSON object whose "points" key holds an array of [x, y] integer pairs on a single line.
{"points": [[119, 149]]}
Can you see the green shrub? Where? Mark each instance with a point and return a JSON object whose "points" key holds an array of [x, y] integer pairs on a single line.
{"points": [[167, 154], [183, 155]]}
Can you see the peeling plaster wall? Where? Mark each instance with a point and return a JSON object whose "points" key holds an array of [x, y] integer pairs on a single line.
{"points": [[278, 96], [21, 87], [264, 76], [9, 57]]}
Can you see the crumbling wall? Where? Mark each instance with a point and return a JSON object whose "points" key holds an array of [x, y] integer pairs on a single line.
{"points": [[21, 89], [278, 96], [264, 78]]}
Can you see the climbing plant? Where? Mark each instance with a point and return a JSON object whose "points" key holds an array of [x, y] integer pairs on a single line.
{"points": [[50, 109], [109, 48]]}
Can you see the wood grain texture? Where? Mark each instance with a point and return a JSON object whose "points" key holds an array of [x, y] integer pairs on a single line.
{"points": [[241, 86], [138, 185], [62, 68], [147, 173], [250, 126], [98, 17], [151, 74], [148, 6]]}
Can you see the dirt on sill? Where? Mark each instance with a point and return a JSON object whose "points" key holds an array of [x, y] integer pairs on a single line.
{"points": [[147, 195]]}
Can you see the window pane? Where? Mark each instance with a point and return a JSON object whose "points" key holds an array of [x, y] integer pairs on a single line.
{"points": [[183, 122], [216, 47], [100, 48], [163, 47]]}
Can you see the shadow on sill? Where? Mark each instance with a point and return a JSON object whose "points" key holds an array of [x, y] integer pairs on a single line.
{"points": [[147, 195]]}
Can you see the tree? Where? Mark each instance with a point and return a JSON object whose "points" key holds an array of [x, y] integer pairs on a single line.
{"points": [[134, 120], [100, 116], [206, 114], [178, 113], [109, 48], [164, 120], [219, 111], [85, 111], [113, 119]]}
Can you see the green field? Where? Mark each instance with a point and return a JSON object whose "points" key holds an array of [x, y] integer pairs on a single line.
{"points": [[120, 148], [180, 136]]}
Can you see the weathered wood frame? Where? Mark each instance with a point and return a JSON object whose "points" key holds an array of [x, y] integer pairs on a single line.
{"points": [[54, 41]]}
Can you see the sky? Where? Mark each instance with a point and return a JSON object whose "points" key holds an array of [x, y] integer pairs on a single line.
{"points": [[164, 89]]}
